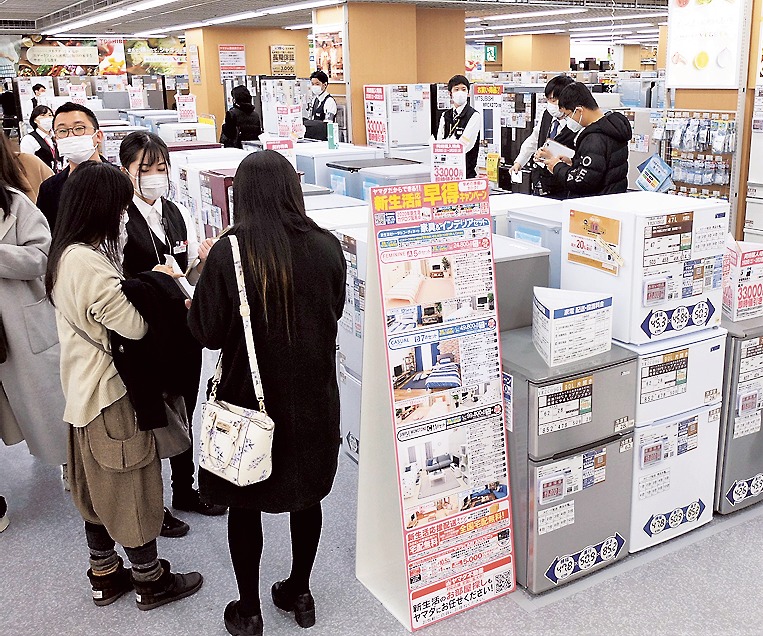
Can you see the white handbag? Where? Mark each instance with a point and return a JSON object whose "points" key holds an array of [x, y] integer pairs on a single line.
{"points": [[236, 442]]}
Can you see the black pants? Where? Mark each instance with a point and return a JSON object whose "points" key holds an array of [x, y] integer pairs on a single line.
{"points": [[245, 544], [182, 465], [98, 538]]}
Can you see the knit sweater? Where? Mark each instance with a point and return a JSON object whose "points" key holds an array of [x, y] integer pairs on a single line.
{"points": [[88, 293]]}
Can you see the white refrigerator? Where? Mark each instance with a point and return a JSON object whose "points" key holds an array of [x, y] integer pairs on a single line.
{"points": [[398, 115]]}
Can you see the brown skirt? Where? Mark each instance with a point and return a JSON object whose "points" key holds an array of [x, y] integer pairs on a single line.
{"points": [[115, 475]]}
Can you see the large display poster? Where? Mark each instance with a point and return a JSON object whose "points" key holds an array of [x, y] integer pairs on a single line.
{"points": [[329, 53], [437, 284], [704, 42], [232, 61], [156, 56]]}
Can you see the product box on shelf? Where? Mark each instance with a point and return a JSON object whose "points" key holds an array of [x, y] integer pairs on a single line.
{"points": [[742, 280]]}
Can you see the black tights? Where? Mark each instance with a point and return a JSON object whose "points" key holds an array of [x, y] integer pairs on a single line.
{"points": [[245, 544]]}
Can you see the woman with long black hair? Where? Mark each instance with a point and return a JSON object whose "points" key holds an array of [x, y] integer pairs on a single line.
{"points": [[295, 279], [115, 473]]}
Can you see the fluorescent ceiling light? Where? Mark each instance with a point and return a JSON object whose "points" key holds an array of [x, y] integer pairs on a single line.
{"points": [[602, 35], [237, 17], [107, 16], [662, 24], [533, 32], [296, 27], [288, 8], [611, 28], [640, 16], [652, 31], [531, 14]]}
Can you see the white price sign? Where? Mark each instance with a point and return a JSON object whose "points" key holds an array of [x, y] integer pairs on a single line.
{"points": [[78, 94], [137, 97], [186, 108], [448, 161]]}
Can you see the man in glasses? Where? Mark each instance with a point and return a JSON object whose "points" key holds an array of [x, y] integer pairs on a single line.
{"points": [[77, 135]]}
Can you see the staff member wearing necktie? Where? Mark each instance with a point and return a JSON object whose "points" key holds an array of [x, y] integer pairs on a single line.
{"points": [[324, 106], [552, 125], [40, 142], [462, 122]]}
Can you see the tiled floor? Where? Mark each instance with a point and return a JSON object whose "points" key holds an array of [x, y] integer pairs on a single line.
{"points": [[708, 582]]}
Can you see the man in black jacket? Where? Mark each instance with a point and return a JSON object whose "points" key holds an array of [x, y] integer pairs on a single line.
{"points": [[242, 123], [600, 164]]}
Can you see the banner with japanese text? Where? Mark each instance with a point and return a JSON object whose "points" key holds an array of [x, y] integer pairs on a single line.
{"points": [[437, 282]]}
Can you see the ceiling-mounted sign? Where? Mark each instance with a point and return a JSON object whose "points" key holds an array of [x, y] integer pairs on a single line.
{"points": [[232, 61], [704, 43], [63, 55]]}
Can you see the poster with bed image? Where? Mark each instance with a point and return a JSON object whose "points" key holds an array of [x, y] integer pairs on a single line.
{"points": [[437, 285]]}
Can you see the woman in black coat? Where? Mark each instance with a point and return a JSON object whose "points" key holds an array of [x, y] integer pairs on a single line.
{"points": [[295, 281]]}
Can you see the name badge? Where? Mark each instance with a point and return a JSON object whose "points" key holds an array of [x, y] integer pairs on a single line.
{"points": [[180, 248]]}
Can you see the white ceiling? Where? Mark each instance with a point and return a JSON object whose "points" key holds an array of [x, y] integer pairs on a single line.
{"points": [[48, 14]]}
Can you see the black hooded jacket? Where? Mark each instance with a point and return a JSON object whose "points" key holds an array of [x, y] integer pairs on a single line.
{"points": [[600, 165], [242, 123]]}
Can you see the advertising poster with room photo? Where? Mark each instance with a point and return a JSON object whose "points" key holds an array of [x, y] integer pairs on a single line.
{"points": [[437, 282]]}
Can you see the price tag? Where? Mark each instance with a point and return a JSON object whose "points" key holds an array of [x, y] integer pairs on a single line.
{"points": [[137, 97], [186, 108], [448, 161]]}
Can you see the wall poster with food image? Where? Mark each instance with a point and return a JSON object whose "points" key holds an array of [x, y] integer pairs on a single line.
{"points": [[111, 54], [704, 43], [156, 56]]}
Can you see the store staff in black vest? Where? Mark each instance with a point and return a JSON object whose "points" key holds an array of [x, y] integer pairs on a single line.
{"points": [[77, 134], [552, 125], [323, 107], [40, 141], [39, 90], [156, 228], [462, 122]]}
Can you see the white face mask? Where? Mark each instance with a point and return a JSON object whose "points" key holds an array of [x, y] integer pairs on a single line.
{"points": [[553, 110], [574, 125], [76, 150], [316, 90], [44, 123], [459, 97], [152, 186]]}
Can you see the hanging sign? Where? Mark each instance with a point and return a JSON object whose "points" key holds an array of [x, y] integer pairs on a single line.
{"points": [[448, 161], [436, 274], [375, 103], [186, 108]]}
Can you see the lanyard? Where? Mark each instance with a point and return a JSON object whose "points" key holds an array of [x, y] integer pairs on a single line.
{"points": [[456, 122]]}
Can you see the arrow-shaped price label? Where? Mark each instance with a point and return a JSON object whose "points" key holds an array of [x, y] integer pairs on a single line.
{"points": [[660, 321], [671, 520], [565, 566], [744, 489]]}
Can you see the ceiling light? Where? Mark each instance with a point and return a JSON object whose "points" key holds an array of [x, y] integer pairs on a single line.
{"points": [[288, 8], [653, 31], [616, 18], [544, 31], [297, 27], [237, 17], [662, 24], [602, 35], [108, 16], [612, 28], [525, 25], [532, 14]]}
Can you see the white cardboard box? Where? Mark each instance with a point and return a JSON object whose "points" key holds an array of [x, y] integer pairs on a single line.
{"points": [[742, 280]]}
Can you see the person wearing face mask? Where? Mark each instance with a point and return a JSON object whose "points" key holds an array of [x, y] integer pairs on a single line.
{"points": [[38, 90], [322, 107], [78, 136], [550, 126], [156, 228], [40, 141], [462, 122], [600, 164], [242, 123]]}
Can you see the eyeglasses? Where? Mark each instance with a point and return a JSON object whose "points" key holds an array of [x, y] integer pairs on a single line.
{"points": [[77, 131]]}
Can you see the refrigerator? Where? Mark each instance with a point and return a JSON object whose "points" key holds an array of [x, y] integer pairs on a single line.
{"points": [[439, 103], [753, 219], [571, 460], [135, 116], [641, 146], [216, 189], [153, 88], [279, 91], [187, 131], [739, 480], [679, 374], [345, 177], [674, 475], [112, 140], [152, 122], [404, 111], [659, 256], [312, 159], [392, 175]]}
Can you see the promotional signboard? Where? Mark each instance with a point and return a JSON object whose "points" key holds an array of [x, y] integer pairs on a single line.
{"points": [[436, 277], [283, 59], [232, 61], [375, 102], [448, 161], [186, 108]]}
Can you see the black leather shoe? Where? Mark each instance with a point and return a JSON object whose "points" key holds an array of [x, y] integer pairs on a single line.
{"points": [[172, 527], [193, 503], [238, 625], [303, 605]]}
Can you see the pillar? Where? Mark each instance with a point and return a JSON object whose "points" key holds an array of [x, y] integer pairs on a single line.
{"points": [[662, 48], [210, 97], [631, 57], [545, 52], [439, 44]]}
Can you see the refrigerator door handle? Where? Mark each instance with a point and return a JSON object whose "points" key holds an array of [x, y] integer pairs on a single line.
{"points": [[589, 445]]}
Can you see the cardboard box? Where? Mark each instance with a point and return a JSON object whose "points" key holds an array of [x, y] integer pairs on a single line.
{"points": [[742, 280]]}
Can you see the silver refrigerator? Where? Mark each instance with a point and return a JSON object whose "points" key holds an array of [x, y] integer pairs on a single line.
{"points": [[570, 431], [739, 478]]}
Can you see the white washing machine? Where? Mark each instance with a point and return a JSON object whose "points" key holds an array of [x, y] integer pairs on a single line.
{"points": [[673, 476]]}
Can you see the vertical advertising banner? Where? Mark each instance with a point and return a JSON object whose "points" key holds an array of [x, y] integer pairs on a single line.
{"points": [[375, 101], [232, 61], [436, 274]]}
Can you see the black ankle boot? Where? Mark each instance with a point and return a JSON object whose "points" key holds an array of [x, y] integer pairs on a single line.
{"points": [[167, 588], [303, 605], [238, 625], [108, 588]]}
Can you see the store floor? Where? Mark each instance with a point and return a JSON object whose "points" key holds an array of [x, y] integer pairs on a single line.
{"points": [[708, 582]]}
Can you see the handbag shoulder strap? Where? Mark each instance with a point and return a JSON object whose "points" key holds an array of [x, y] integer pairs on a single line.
{"points": [[245, 312], [85, 337]]}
